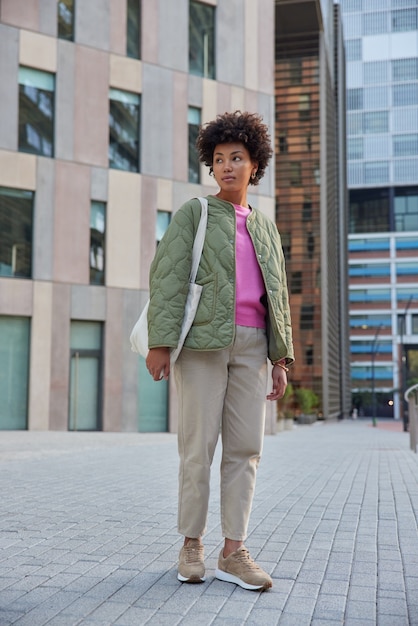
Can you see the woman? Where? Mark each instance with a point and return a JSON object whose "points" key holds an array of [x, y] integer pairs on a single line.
{"points": [[243, 318]]}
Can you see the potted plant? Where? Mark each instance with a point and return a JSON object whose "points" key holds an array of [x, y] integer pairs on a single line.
{"points": [[307, 401]]}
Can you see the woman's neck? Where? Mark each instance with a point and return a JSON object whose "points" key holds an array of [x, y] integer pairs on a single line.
{"points": [[235, 197]]}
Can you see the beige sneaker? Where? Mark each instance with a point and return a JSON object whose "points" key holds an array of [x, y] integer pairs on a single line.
{"points": [[239, 568], [191, 565]]}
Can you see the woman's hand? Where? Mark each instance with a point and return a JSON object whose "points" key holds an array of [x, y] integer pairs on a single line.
{"points": [[279, 377], [158, 363]]}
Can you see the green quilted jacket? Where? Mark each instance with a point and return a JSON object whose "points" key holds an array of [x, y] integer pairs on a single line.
{"points": [[213, 327]]}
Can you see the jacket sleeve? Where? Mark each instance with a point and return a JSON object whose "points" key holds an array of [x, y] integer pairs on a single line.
{"points": [[169, 278]]}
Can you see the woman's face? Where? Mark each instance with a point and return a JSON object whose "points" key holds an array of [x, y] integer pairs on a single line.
{"points": [[232, 166]]}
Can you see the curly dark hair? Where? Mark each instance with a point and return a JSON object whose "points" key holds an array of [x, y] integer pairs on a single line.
{"points": [[244, 127]]}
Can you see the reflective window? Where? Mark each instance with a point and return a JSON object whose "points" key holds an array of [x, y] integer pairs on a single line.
{"points": [[14, 372], [66, 19], [376, 122], [365, 270], [355, 148], [16, 218], [369, 211], [369, 295], [407, 243], [304, 106], [376, 172], [97, 242], [405, 145], [376, 72], [194, 121], [409, 293], [352, 6], [376, 98], [296, 174], [368, 245], [406, 210], [407, 269], [124, 115], [366, 347], [405, 94], [163, 221], [354, 99], [403, 20], [366, 322], [404, 69], [354, 123], [202, 39], [296, 282], [375, 23], [414, 319], [381, 372], [353, 49], [133, 29], [36, 112], [307, 317]]}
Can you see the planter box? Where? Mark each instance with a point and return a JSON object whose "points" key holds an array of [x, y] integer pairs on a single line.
{"points": [[307, 418]]}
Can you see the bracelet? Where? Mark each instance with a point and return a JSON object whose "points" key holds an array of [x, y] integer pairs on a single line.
{"points": [[280, 364]]}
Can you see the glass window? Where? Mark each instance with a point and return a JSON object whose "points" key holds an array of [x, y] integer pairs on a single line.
{"points": [[309, 355], [405, 94], [368, 270], [304, 106], [407, 243], [375, 23], [366, 347], [355, 148], [14, 372], [406, 210], [163, 221], [97, 242], [201, 39], [407, 294], [283, 145], [365, 322], [376, 172], [307, 210], [368, 245], [405, 170], [66, 19], [133, 29], [369, 295], [376, 98], [16, 217], [354, 99], [375, 72], [194, 121], [355, 123], [381, 372], [376, 122], [296, 282], [306, 317], [295, 174], [403, 20], [414, 319], [407, 269], [404, 69], [352, 26], [36, 111], [405, 145], [349, 6], [369, 211], [310, 245], [353, 49], [124, 115], [295, 71]]}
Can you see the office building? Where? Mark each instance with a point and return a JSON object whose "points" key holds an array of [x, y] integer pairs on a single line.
{"points": [[381, 41], [311, 201], [100, 102]]}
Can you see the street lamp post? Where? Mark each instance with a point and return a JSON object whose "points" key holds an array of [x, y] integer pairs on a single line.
{"points": [[373, 356], [403, 364]]}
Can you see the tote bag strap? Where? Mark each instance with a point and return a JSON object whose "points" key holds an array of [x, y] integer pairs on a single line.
{"points": [[199, 239]]}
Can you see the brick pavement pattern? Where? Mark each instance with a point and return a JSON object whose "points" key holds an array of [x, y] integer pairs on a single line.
{"points": [[88, 531]]}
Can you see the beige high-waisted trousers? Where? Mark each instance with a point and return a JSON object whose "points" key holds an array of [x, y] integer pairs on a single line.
{"points": [[221, 389]]}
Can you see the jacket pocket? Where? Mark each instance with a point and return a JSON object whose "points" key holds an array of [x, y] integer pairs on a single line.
{"points": [[206, 309]]}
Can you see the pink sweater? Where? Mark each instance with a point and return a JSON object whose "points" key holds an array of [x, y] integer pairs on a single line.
{"points": [[249, 311]]}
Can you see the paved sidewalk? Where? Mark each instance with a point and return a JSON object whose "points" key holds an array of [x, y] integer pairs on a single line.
{"points": [[88, 531]]}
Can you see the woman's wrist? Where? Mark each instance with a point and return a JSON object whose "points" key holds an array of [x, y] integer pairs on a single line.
{"points": [[281, 363]]}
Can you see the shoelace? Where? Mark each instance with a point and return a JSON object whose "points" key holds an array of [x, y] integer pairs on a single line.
{"points": [[193, 554], [244, 557]]}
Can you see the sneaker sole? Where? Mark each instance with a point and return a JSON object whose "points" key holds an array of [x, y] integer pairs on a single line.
{"points": [[192, 579], [230, 578]]}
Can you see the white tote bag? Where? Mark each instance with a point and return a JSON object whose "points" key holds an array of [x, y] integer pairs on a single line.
{"points": [[139, 334]]}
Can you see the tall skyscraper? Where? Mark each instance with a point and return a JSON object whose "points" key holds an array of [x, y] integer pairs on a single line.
{"points": [[311, 204], [381, 41]]}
